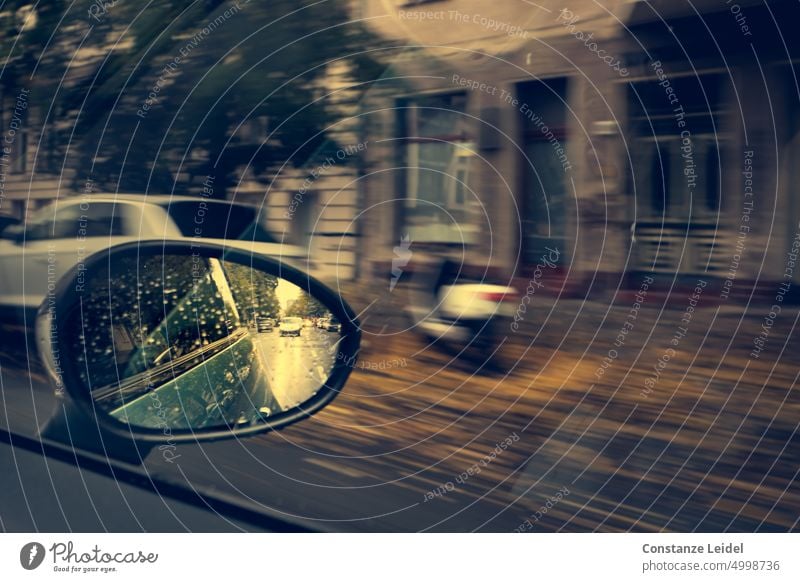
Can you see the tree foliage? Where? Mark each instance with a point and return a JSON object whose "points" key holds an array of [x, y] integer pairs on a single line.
{"points": [[254, 292], [306, 306], [150, 96]]}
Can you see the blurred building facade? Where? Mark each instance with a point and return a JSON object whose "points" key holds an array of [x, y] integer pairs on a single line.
{"points": [[631, 137], [316, 205], [313, 205]]}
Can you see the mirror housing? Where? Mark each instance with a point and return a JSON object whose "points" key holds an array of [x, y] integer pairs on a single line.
{"points": [[80, 421]]}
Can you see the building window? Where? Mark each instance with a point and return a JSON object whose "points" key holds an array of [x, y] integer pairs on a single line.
{"points": [[676, 168], [20, 159], [712, 175], [438, 155], [546, 202], [678, 144], [660, 184]]}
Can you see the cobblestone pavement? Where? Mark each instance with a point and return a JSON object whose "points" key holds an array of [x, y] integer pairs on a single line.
{"points": [[673, 425]]}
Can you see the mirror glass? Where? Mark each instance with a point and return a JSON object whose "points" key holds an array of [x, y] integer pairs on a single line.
{"points": [[189, 342]]}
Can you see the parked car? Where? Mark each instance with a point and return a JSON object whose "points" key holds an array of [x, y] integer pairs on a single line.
{"points": [[290, 326], [265, 324], [35, 255], [6, 221]]}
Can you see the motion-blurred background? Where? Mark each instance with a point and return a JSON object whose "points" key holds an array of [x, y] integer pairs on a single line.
{"points": [[607, 160]]}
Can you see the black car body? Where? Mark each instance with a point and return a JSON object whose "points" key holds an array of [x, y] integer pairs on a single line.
{"points": [[265, 324]]}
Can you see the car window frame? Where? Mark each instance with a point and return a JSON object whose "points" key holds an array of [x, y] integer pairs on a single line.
{"points": [[47, 219]]}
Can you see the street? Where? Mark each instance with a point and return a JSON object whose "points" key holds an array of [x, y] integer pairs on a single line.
{"points": [[430, 443]]}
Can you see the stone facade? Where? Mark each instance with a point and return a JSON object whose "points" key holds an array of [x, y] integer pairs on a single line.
{"points": [[617, 136]]}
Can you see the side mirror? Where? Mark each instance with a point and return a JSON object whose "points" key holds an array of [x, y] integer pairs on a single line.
{"points": [[156, 342]]}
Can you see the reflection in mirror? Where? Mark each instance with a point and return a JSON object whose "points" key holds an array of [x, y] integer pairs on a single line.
{"points": [[188, 342]]}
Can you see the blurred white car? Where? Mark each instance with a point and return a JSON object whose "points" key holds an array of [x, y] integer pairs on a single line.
{"points": [[290, 326], [36, 254]]}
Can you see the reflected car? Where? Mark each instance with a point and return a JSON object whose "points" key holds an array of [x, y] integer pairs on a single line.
{"points": [[333, 325], [290, 326], [265, 324]]}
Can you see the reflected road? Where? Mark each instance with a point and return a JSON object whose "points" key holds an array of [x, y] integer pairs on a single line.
{"points": [[296, 366]]}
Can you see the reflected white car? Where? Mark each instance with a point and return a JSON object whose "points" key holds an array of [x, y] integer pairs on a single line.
{"points": [[290, 326]]}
